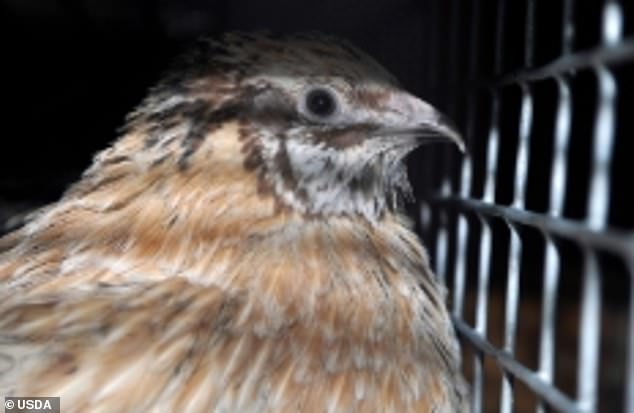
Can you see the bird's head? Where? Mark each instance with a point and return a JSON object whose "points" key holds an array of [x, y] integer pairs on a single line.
{"points": [[322, 124]]}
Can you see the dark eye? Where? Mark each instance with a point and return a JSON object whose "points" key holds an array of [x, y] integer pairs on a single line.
{"points": [[321, 103]]}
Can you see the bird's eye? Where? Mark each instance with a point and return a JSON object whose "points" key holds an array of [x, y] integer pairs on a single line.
{"points": [[321, 103]]}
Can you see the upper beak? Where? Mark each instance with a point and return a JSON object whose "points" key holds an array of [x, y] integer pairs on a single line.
{"points": [[413, 117]]}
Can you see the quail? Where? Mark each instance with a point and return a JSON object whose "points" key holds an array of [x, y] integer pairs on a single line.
{"points": [[241, 247]]}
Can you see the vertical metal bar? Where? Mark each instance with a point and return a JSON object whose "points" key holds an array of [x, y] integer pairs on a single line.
{"points": [[598, 199], [441, 249], [558, 177], [482, 301], [521, 171], [557, 197], [551, 258], [493, 137], [515, 249], [510, 315], [492, 151], [462, 233], [482, 297], [612, 23], [590, 331], [462, 238], [598, 203], [485, 250], [461, 267], [549, 314]]}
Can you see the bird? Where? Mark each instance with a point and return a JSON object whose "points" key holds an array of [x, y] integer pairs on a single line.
{"points": [[242, 246]]}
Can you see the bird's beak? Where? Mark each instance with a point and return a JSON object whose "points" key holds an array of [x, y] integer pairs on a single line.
{"points": [[410, 116]]}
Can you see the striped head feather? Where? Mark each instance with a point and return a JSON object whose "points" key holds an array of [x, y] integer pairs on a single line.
{"points": [[323, 125]]}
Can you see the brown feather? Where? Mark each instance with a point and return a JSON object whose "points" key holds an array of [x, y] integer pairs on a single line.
{"points": [[153, 287]]}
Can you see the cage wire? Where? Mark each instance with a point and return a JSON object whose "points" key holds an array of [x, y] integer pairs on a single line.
{"points": [[532, 230]]}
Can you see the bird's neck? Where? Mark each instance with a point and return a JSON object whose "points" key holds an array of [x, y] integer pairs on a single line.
{"points": [[217, 227], [223, 230], [238, 240]]}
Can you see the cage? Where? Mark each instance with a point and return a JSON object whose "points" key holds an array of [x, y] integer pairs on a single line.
{"points": [[531, 232]]}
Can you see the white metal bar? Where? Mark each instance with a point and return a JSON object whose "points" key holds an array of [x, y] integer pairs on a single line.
{"points": [[589, 334], [551, 256], [492, 152], [460, 272], [612, 23], [510, 315], [598, 208], [441, 249], [482, 295], [523, 146], [461, 267], [570, 63], [610, 239], [558, 175], [553, 396], [599, 195], [515, 249], [549, 312], [598, 198], [482, 301], [462, 235]]}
